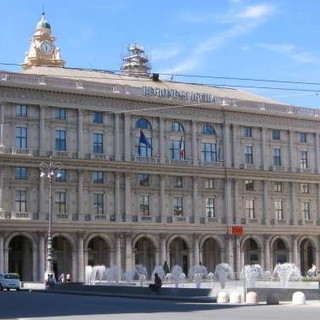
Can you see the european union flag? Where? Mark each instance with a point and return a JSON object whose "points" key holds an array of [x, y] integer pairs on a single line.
{"points": [[144, 140]]}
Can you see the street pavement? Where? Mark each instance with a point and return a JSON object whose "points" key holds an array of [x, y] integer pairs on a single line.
{"points": [[42, 305]]}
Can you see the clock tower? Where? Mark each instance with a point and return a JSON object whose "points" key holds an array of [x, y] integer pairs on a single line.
{"points": [[43, 52]]}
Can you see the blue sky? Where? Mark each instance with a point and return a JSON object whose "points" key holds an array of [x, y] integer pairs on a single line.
{"points": [[267, 39]]}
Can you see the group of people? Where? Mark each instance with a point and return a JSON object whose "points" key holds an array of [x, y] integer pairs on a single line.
{"points": [[51, 280]]}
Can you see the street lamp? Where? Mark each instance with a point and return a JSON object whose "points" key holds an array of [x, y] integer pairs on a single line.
{"points": [[50, 170]]}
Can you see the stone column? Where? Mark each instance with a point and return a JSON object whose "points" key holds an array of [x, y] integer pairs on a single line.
{"points": [[75, 265], [41, 256], [127, 197], [116, 137], [227, 148], [2, 110], [194, 143], [163, 251], [162, 204], [316, 153], [268, 262], [318, 203], [235, 147], [292, 217], [238, 257], [35, 266], [80, 258], [237, 215], [118, 251], [127, 146], [161, 141], [195, 213], [230, 251], [196, 249], [295, 253], [117, 212], [1, 252], [262, 258], [265, 213], [227, 214], [42, 131], [128, 252], [290, 156], [264, 158], [80, 134], [80, 196], [41, 199], [1, 190], [6, 260]]}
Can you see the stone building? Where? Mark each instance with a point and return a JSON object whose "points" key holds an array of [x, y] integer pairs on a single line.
{"points": [[152, 171]]}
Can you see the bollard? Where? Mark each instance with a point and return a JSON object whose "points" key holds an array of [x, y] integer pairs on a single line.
{"points": [[222, 297], [252, 298], [298, 298], [235, 297]]}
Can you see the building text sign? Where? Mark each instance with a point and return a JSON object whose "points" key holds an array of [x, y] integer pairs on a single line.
{"points": [[178, 94]]}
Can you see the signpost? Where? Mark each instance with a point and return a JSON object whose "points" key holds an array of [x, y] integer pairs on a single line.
{"points": [[237, 231]]}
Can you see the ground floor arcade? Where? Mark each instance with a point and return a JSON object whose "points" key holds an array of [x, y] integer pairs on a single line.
{"points": [[25, 253]]}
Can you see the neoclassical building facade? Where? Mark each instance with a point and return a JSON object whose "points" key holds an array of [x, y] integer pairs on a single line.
{"points": [[152, 171]]}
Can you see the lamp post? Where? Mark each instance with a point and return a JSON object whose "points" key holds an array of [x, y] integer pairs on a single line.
{"points": [[49, 170]]}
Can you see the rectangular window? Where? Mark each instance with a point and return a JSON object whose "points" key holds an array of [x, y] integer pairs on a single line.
{"points": [[21, 138], [248, 154], [302, 136], [250, 209], [209, 183], [21, 173], [97, 117], [210, 208], [178, 206], [249, 185], [21, 111], [61, 140], [278, 210], [61, 113], [21, 201], [304, 188], [209, 152], [275, 134], [98, 143], [97, 177], [247, 131], [61, 202], [177, 150], [277, 187], [305, 209], [303, 159], [143, 180], [277, 157], [98, 203], [177, 182], [144, 205], [61, 175]]}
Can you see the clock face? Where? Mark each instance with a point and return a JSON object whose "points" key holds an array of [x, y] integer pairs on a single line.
{"points": [[46, 47]]}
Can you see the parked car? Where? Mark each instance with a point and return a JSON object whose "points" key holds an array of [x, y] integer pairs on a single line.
{"points": [[10, 281]]}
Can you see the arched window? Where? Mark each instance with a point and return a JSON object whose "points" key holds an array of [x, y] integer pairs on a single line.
{"points": [[208, 129], [143, 124], [177, 127]]}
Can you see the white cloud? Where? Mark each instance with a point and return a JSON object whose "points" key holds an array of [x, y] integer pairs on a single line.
{"points": [[164, 53], [243, 20], [278, 47], [291, 51], [259, 11]]}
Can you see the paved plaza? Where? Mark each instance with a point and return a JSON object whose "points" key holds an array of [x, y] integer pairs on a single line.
{"points": [[43, 305]]}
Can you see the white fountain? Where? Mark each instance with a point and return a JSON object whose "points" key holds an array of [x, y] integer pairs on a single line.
{"points": [[222, 273], [197, 274], [252, 273], [286, 272]]}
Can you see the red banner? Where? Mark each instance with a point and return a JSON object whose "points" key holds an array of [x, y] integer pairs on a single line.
{"points": [[237, 231]]}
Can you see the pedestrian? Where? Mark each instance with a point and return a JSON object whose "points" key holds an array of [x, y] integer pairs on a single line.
{"points": [[61, 278], [68, 277], [51, 281], [155, 287]]}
